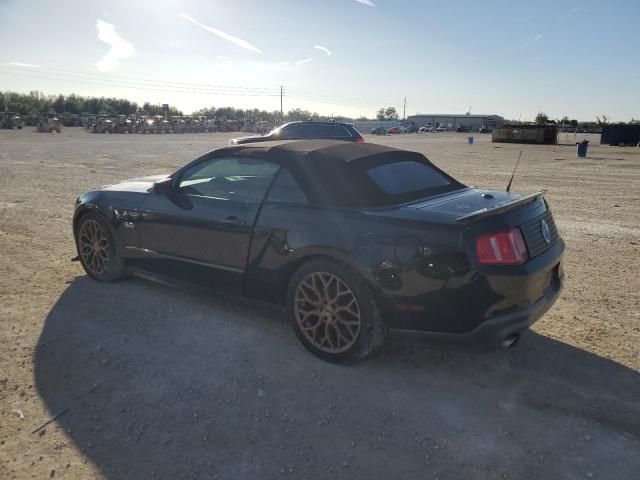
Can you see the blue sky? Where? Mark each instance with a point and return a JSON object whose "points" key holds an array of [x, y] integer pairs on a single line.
{"points": [[574, 58]]}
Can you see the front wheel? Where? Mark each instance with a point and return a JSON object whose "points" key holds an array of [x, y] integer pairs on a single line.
{"points": [[97, 249], [334, 312]]}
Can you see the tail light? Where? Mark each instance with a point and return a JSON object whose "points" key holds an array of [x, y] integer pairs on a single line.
{"points": [[360, 140], [502, 248]]}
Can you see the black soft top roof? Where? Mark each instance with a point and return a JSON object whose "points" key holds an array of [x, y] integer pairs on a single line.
{"points": [[331, 172], [294, 151]]}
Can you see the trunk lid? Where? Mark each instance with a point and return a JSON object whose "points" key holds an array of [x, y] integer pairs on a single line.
{"points": [[449, 207], [477, 210]]}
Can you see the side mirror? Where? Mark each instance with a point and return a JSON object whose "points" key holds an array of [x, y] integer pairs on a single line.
{"points": [[164, 187]]}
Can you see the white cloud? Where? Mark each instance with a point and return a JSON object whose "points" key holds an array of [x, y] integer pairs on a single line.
{"points": [[323, 49], [223, 59], [120, 48], [24, 65], [302, 62], [224, 35], [568, 14], [366, 2], [535, 39]]}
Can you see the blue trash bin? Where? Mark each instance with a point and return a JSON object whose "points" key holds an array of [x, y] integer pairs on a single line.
{"points": [[470, 140], [581, 148]]}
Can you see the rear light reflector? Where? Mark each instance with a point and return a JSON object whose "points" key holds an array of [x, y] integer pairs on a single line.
{"points": [[502, 248], [360, 140]]}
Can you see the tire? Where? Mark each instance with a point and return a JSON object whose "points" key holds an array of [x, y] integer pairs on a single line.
{"points": [[348, 325], [104, 265]]}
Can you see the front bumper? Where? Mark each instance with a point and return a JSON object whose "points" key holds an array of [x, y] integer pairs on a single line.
{"points": [[491, 333]]}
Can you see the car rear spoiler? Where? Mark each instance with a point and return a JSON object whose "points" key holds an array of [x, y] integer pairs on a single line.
{"points": [[500, 208]]}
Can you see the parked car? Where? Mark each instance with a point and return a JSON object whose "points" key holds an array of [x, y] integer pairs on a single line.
{"points": [[426, 129], [378, 131], [463, 129], [485, 130], [411, 129], [306, 130], [441, 129], [353, 240], [394, 130]]}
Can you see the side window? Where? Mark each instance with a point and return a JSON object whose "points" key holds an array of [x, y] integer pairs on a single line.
{"points": [[286, 189], [234, 178], [331, 131], [293, 131]]}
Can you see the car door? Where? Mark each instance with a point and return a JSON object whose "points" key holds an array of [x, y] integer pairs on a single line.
{"points": [[201, 230]]}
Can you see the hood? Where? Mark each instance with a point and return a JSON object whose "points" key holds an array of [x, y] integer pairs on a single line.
{"points": [[140, 184], [250, 139]]}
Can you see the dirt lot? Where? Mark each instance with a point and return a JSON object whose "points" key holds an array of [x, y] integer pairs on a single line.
{"points": [[163, 383]]}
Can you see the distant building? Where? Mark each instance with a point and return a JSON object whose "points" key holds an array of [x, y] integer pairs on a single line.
{"points": [[453, 121]]}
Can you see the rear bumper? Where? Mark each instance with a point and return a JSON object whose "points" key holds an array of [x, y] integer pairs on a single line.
{"points": [[491, 333]]}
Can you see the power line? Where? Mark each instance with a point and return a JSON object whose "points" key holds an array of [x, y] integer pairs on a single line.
{"points": [[139, 80], [344, 103], [137, 83], [138, 86], [319, 96]]}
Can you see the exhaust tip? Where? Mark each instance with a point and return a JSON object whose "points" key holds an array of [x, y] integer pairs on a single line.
{"points": [[511, 341]]}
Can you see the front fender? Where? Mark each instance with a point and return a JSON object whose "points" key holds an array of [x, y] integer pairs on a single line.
{"points": [[110, 205]]}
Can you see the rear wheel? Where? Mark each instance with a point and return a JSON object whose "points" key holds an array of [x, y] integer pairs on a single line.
{"points": [[334, 312], [97, 249]]}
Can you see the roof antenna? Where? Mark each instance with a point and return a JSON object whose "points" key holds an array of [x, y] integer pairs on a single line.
{"points": [[514, 172]]}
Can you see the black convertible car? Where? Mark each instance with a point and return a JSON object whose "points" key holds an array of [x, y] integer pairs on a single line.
{"points": [[354, 239], [312, 129]]}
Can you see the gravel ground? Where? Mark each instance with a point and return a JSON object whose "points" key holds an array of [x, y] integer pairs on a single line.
{"points": [[165, 383]]}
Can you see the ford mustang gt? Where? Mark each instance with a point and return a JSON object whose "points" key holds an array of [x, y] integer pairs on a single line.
{"points": [[353, 239]]}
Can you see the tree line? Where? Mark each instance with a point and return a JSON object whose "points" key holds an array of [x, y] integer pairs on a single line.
{"points": [[601, 120], [35, 103]]}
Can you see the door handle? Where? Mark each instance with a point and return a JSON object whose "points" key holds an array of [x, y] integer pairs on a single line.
{"points": [[233, 220]]}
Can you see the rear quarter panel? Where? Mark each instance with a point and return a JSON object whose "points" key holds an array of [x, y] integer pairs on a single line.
{"points": [[398, 258]]}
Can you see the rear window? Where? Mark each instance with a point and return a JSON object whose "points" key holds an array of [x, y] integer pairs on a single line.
{"points": [[381, 180], [402, 178]]}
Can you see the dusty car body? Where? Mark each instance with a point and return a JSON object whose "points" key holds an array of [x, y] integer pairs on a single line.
{"points": [[353, 239]]}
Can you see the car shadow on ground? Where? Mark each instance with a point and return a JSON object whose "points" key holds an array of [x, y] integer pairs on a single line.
{"points": [[164, 383]]}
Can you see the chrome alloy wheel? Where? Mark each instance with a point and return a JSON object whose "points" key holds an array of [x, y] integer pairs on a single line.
{"points": [[327, 312]]}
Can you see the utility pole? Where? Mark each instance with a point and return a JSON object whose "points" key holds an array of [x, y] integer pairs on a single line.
{"points": [[281, 114], [404, 109]]}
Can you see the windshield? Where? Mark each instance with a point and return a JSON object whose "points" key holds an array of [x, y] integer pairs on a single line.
{"points": [[278, 130]]}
